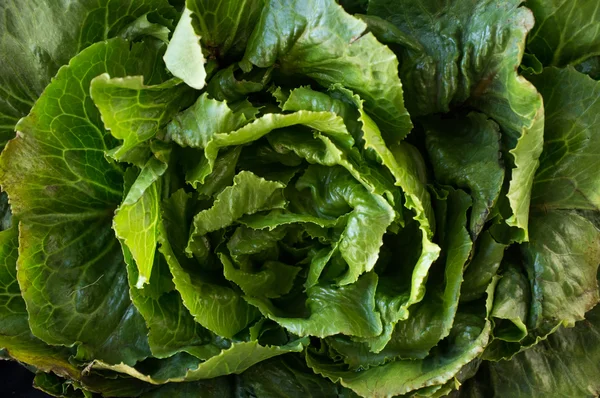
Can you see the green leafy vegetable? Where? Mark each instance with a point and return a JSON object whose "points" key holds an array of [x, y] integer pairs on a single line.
{"points": [[320, 198]]}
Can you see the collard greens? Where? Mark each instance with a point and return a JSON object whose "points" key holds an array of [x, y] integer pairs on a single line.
{"points": [[285, 198]]}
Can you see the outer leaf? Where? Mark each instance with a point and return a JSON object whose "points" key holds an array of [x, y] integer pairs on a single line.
{"points": [[42, 35], [70, 178], [565, 32], [15, 336], [19, 344], [569, 174], [323, 42], [70, 266], [347, 310], [134, 112], [562, 259], [76, 291]]}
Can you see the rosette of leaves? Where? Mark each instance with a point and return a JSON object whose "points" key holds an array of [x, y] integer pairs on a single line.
{"points": [[300, 198]]}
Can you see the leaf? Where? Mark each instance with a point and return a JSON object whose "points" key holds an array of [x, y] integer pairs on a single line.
{"points": [[221, 176], [148, 25], [171, 327], [221, 387], [565, 32], [15, 335], [511, 305], [234, 360], [348, 309], [43, 35], [135, 112], [311, 46], [432, 319], [334, 193], [482, 268], [215, 306], [197, 125], [466, 153], [20, 344], [70, 177], [136, 220], [466, 341], [75, 286], [248, 194], [286, 376], [225, 27], [226, 86], [565, 365], [561, 260], [64, 191], [474, 60], [591, 67], [569, 176], [184, 57], [274, 279]]}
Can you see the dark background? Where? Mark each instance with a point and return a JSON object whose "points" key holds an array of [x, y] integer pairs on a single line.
{"points": [[16, 381]]}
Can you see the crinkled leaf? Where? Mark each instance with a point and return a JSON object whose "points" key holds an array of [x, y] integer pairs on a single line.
{"points": [[135, 112], [197, 125], [511, 305], [286, 376], [215, 306], [347, 310], [171, 328], [248, 194], [466, 341], [482, 268], [334, 193], [318, 39]]}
